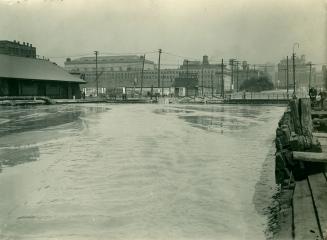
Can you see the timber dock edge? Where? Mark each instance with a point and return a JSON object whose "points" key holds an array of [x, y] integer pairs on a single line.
{"points": [[300, 170]]}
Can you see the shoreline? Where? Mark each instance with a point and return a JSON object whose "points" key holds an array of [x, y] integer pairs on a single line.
{"points": [[303, 181]]}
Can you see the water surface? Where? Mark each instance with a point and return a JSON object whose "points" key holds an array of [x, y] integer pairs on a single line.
{"points": [[136, 171]]}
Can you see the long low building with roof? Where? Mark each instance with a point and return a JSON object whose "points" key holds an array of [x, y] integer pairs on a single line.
{"points": [[22, 76]]}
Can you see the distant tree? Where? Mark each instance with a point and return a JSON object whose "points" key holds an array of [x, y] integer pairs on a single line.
{"points": [[257, 84]]}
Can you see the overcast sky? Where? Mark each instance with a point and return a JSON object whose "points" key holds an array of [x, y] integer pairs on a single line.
{"points": [[259, 31]]}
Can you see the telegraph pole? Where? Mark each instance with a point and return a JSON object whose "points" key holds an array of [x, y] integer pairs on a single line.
{"points": [[160, 51], [255, 72], [187, 77], [247, 72], [202, 77], [237, 75], [222, 79], [211, 85], [287, 76], [293, 57], [96, 71], [232, 75], [142, 74]]}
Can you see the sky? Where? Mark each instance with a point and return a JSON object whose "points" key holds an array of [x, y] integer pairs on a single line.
{"points": [[258, 31]]}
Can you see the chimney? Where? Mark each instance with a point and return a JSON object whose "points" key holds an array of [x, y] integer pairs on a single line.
{"points": [[205, 60]]}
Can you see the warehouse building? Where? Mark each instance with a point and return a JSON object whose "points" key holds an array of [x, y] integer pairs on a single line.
{"points": [[28, 76]]}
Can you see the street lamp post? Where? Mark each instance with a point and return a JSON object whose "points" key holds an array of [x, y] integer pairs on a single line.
{"points": [[293, 57]]}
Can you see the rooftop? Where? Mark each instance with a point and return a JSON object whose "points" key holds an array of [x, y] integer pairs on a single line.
{"points": [[34, 69], [108, 59]]}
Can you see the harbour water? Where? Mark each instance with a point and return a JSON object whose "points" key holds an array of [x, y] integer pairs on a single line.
{"points": [[137, 171]]}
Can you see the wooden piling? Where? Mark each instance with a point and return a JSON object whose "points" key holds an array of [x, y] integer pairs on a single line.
{"points": [[303, 153]]}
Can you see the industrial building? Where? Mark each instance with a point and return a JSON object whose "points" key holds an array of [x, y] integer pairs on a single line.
{"points": [[108, 63], [24, 76], [305, 72], [15, 48], [125, 72]]}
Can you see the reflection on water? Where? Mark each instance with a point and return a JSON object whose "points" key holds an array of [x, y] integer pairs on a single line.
{"points": [[20, 119], [37, 119], [137, 172], [14, 156], [221, 119]]}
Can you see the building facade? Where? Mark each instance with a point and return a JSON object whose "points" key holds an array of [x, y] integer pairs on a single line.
{"points": [[320, 78], [25, 76], [126, 73], [302, 74], [108, 64], [15, 48]]}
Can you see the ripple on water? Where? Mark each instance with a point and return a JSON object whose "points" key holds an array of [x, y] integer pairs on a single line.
{"points": [[142, 172]]}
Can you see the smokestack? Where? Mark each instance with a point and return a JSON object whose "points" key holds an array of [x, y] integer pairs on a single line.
{"points": [[205, 60]]}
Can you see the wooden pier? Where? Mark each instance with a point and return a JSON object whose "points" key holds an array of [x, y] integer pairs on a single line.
{"points": [[301, 161]]}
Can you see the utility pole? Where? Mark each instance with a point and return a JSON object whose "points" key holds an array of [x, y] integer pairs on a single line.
{"points": [[202, 77], [293, 57], [142, 74], [310, 66], [256, 74], [187, 77], [222, 79], [247, 72], [287, 76], [211, 85], [237, 75], [160, 51], [96, 71], [232, 74]]}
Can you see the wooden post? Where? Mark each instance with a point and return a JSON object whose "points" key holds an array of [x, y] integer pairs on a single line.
{"points": [[305, 117], [295, 116]]}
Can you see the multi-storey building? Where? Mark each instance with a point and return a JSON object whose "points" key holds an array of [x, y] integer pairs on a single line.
{"points": [[209, 76], [320, 78], [125, 72], [108, 64], [17, 49], [302, 73]]}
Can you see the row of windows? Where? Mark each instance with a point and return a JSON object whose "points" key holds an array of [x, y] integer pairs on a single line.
{"points": [[133, 75], [146, 72]]}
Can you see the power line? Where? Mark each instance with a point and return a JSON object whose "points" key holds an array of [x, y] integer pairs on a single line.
{"points": [[180, 56], [103, 53]]}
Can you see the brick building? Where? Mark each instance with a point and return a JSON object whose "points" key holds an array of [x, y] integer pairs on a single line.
{"points": [[302, 73], [17, 49], [117, 72]]}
